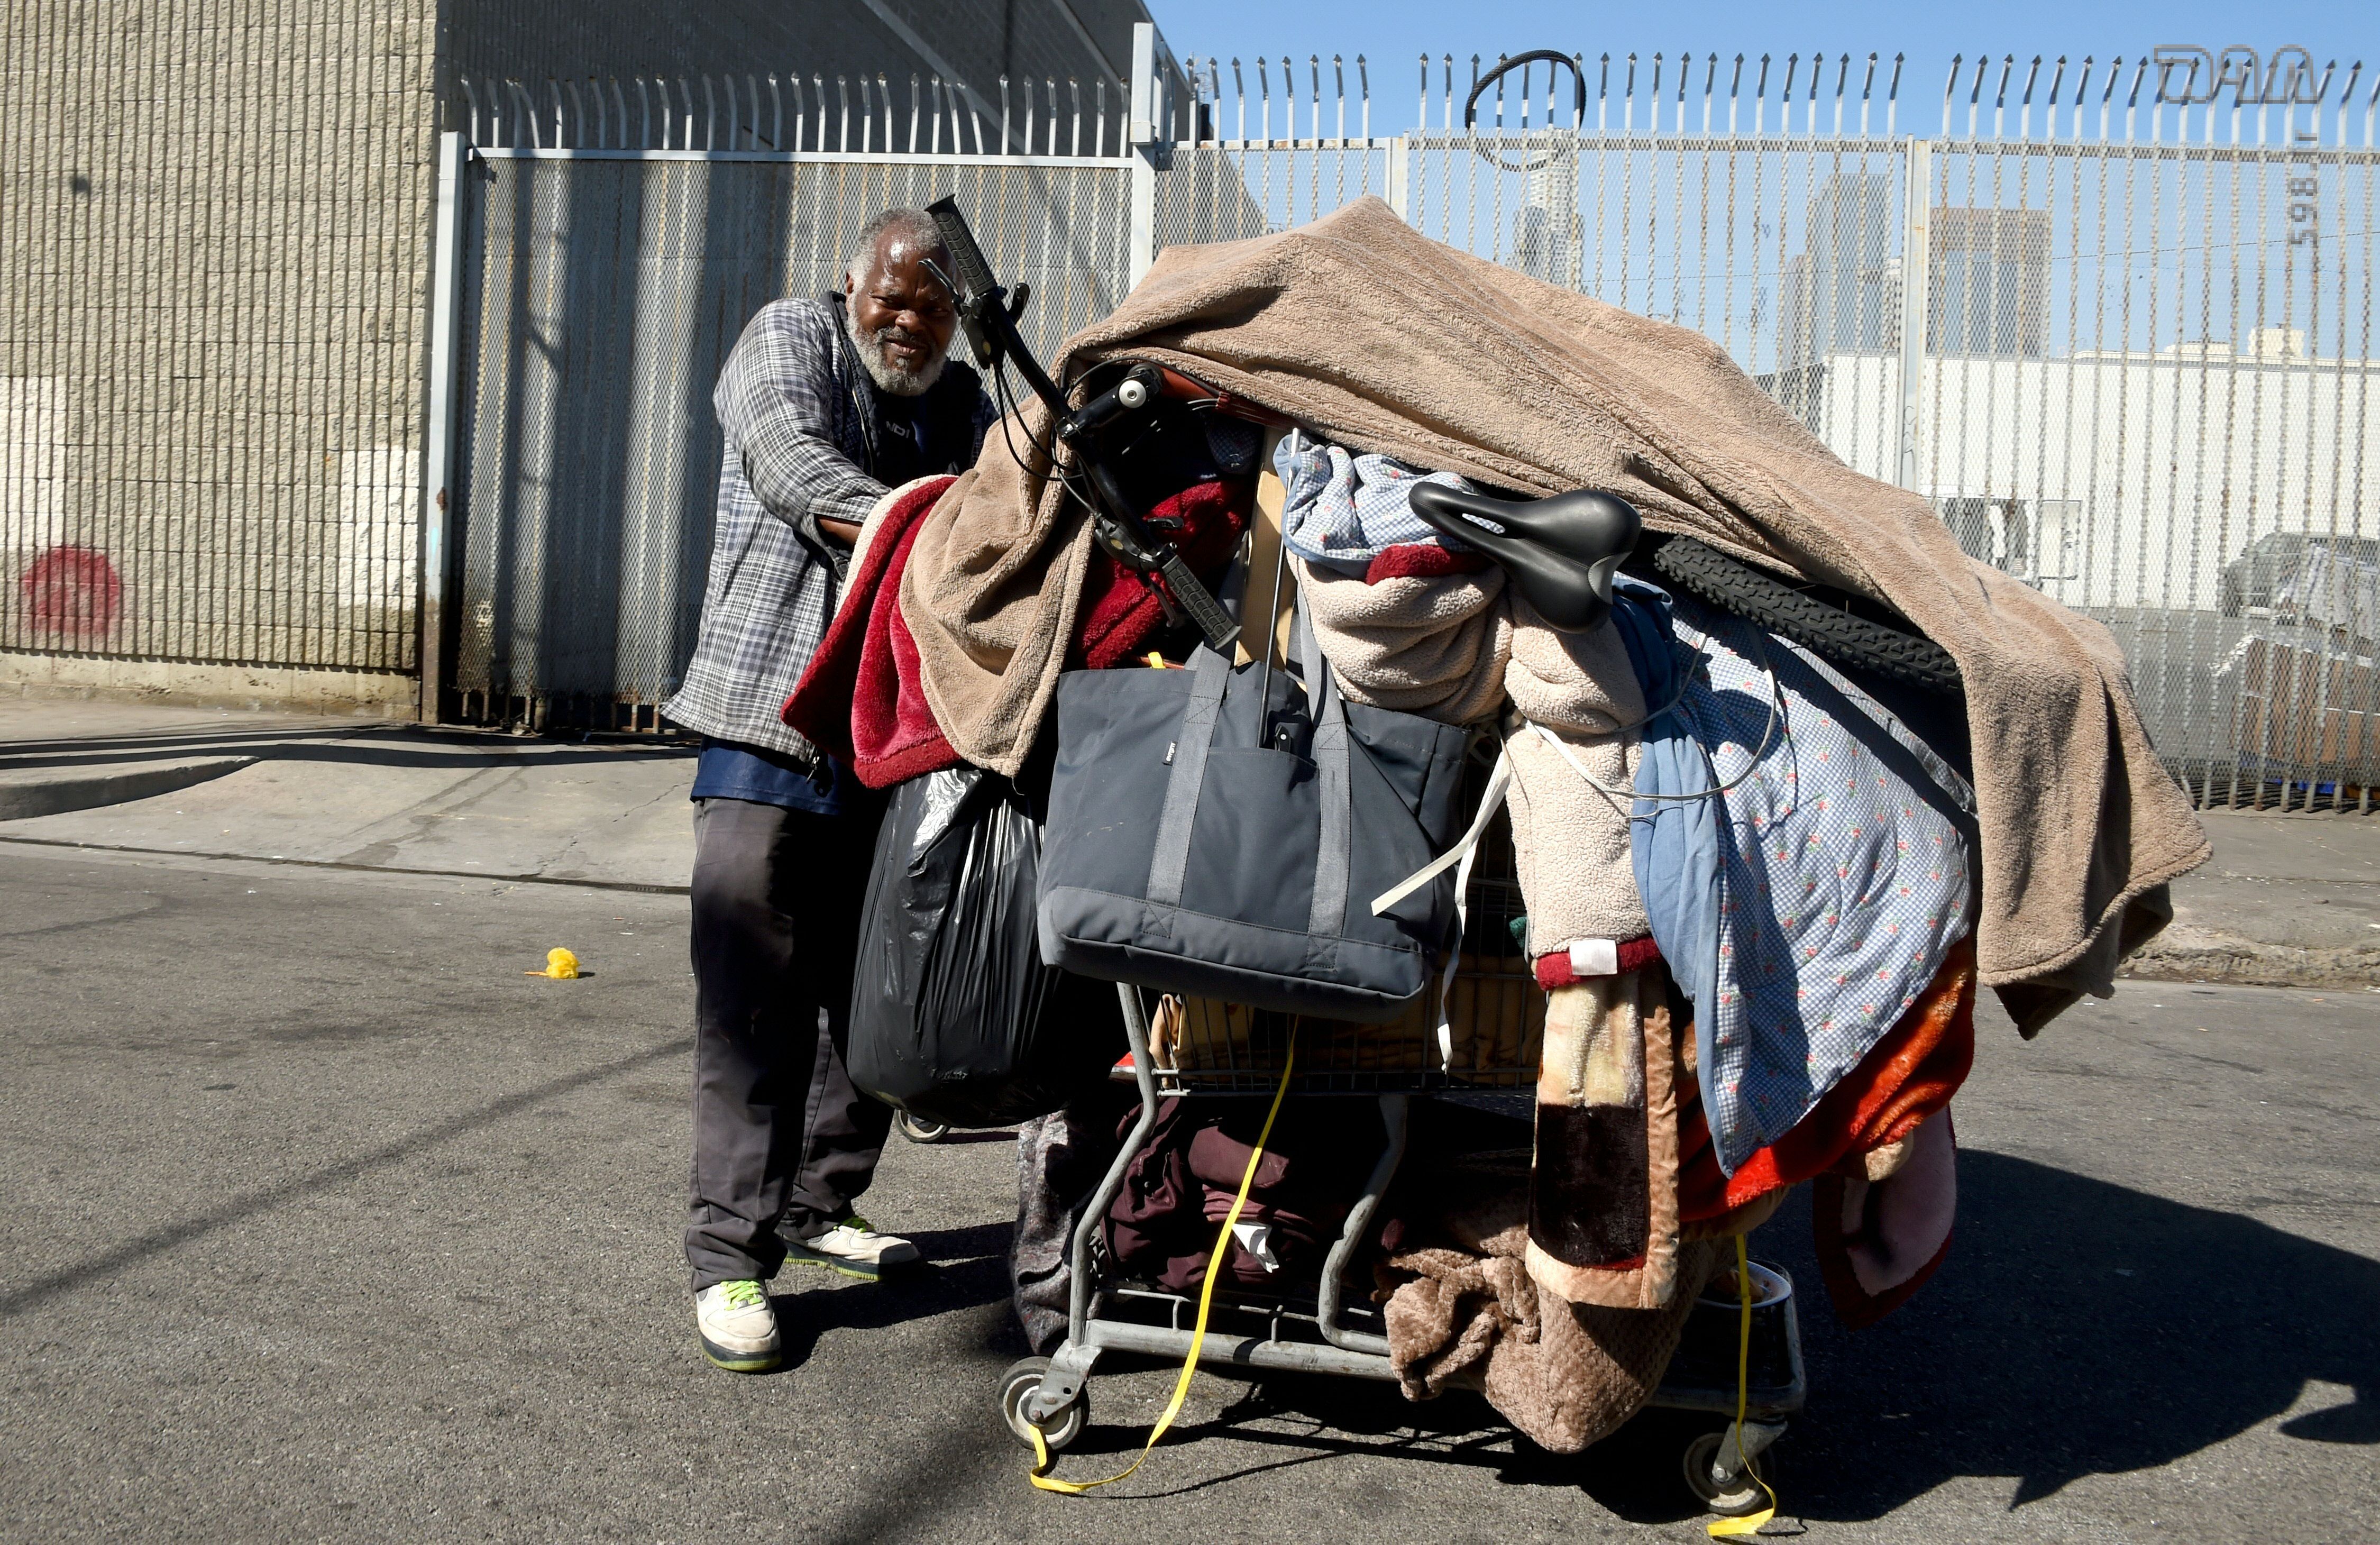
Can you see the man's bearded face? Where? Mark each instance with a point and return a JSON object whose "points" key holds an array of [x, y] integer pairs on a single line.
{"points": [[900, 321]]}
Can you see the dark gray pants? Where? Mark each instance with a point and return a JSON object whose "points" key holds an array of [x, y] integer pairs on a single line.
{"points": [[783, 1142]]}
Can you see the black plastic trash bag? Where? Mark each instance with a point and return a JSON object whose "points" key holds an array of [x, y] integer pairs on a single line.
{"points": [[953, 1018]]}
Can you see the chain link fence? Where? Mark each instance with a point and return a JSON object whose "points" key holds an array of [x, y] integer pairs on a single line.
{"points": [[2114, 326], [2114, 322], [615, 241]]}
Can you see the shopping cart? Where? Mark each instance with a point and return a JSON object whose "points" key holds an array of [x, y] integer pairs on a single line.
{"points": [[1495, 1015]]}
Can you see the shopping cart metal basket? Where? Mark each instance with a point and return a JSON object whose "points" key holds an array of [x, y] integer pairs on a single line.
{"points": [[1488, 1055]]}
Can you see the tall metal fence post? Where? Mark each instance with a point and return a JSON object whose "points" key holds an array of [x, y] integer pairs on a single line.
{"points": [[1917, 296], [1143, 131], [438, 448], [1916, 299]]}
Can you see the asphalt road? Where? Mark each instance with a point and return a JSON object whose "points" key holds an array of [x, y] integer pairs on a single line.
{"points": [[320, 1220]]}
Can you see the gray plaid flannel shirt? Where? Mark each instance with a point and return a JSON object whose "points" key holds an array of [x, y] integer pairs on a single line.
{"points": [[794, 406]]}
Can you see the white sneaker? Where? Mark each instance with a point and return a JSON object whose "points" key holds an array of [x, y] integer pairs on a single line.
{"points": [[737, 1329], [853, 1249]]}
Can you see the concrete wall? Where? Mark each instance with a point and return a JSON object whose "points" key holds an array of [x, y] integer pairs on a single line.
{"points": [[212, 218]]}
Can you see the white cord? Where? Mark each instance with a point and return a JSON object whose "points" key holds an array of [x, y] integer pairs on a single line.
{"points": [[1767, 738]]}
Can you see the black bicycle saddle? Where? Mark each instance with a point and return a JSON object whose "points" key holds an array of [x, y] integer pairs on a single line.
{"points": [[1562, 550]]}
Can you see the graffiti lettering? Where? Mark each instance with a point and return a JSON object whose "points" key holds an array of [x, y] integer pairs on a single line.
{"points": [[2187, 74]]}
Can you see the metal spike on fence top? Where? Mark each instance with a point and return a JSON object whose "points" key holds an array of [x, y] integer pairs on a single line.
{"points": [[1339, 76]]}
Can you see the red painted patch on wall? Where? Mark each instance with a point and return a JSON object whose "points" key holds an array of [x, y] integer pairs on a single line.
{"points": [[73, 590]]}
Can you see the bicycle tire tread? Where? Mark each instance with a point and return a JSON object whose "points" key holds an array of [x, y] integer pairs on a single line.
{"points": [[1826, 630]]}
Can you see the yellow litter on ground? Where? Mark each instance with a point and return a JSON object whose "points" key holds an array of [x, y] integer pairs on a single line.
{"points": [[560, 965]]}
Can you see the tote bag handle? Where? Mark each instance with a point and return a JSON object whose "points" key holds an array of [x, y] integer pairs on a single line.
{"points": [[1209, 686]]}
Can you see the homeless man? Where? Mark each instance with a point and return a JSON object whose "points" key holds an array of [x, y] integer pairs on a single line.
{"points": [[826, 404]]}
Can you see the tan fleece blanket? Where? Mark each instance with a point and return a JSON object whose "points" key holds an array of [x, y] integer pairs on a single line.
{"points": [[1570, 839], [1436, 647], [1367, 333]]}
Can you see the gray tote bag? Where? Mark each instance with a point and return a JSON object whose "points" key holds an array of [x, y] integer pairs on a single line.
{"points": [[1216, 833]]}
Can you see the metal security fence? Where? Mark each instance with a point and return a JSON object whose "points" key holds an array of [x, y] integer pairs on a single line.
{"points": [[607, 269], [2112, 318], [211, 334]]}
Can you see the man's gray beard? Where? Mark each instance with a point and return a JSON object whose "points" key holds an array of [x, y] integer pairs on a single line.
{"points": [[888, 376]]}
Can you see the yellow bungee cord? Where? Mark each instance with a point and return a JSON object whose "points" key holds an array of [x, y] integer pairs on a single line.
{"points": [[1041, 1457], [1731, 1529]]}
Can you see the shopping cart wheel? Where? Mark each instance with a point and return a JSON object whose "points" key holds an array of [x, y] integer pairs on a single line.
{"points": [[1736, 1502], [1018, 1386], [920, 1131]]}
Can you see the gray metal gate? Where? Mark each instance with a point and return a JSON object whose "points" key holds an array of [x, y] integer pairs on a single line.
{"points": [[2134, 365], [601, 289]]}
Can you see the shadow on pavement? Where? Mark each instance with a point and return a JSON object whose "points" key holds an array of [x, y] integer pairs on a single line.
{"points": [[2079, 1328], [15, 1298], [963, 1269], [399, 746]]}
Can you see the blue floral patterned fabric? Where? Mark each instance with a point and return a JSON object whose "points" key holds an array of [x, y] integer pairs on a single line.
{"points": [[1807, 907], [1343, 509]]}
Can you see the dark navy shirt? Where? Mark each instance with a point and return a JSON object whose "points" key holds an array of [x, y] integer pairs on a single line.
{"points": [[728, 770]]}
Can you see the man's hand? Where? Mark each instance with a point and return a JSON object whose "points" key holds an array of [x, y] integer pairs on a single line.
{"points": [[843, 533]]}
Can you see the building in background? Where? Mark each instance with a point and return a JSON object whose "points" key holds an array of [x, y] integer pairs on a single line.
{"points": [[1990, 282], [1842, 292], [215, 228]]}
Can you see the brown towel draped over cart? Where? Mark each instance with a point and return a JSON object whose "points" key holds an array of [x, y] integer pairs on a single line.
{"points": [[1365, 331]]}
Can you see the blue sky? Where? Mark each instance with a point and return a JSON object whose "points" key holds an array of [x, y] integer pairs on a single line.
{"points": [[1395, 32]]}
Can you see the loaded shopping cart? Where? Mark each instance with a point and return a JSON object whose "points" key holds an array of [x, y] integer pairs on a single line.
{"points": [[1327, 1323], [1119, 865]]}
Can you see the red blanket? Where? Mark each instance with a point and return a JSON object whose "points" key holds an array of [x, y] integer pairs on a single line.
{"points": [[1120, 613], [1906, 1077], [1877, 1241], [860, 701]]}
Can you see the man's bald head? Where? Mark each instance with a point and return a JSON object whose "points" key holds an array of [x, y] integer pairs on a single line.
{"points": [[898, 314]]}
